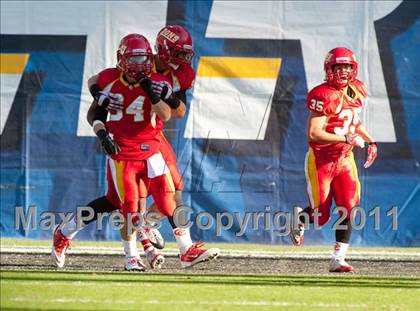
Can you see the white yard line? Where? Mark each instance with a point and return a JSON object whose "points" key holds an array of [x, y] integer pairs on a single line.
{"points": [[194, 302], [369, 255], [257, 303]]}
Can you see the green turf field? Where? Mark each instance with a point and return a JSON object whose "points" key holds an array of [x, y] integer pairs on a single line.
{"points": [[125, 291]]}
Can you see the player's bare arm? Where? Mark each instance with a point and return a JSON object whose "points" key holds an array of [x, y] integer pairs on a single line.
{"points": [[180, 111], [372, 152], [162, 110], [317, 132], [362, 132]]}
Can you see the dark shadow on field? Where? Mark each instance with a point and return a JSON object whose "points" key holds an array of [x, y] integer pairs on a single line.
{"points": [[218, 279]]}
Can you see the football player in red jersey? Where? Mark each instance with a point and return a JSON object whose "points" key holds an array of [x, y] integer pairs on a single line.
{"points": [[173, 60], [334, 128], [174, 53], [107, 96]]}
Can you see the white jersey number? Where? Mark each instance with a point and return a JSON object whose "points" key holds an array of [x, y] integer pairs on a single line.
{"points": [[348, 126], [135, 108], [316, 105]]}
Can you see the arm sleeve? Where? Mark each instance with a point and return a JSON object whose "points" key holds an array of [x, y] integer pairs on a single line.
{"points": [[186, 77], [100, 114], [317, 103], [181, 95], [323, 101]]}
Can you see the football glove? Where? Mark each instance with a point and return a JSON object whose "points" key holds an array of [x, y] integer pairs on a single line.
{"points": [[165, 91], [162, 88], [146, 85], [112, 102], [109, 146]]}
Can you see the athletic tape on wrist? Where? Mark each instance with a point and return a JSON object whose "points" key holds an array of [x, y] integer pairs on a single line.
{"points": [[97, 122]]}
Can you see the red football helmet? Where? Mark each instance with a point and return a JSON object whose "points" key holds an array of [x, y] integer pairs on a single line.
{"points": [[174, 45], [338, 56], [135, 56], [123, 41]]}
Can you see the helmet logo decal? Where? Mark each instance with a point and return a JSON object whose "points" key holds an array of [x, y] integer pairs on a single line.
{"points": [[139, 51], [342, 59], [329, 57], [169, 35], [122, 49]]}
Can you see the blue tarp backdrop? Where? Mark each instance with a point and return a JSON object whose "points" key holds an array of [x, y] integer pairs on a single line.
{"points": [[242, 145]]}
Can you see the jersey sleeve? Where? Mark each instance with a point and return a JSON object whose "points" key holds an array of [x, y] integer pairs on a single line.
{"points": [[106, 76], [323, 101], [185, 76], [157, 77]]}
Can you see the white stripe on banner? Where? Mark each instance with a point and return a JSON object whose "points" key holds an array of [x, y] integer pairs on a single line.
{"points": [[230, 108], [12, 67], [300, 20], [8, 84]]}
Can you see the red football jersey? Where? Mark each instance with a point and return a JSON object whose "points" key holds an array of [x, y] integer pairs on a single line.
{"points": [[136, 128], [342, 107], [182, 78]]}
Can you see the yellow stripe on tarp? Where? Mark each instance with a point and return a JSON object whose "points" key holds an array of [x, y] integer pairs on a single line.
{"points": [[313, 178], [13, 63], [239, 67]]}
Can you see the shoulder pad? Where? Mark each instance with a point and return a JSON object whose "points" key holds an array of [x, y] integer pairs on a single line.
{"points": [[324, 99], [107, 75]]}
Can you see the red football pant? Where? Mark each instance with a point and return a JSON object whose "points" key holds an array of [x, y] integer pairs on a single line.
{"points": [[169, 156], [331, 178], [124, 178]]}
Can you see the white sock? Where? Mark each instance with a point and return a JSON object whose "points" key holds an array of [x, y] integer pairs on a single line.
{"points": [[183, 239], [130, 248], [70, 229], [141, 234], [144, 239], [340, 250]]}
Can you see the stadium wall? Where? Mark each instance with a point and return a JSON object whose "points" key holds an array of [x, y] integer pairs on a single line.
{"points": [[242, 145]]}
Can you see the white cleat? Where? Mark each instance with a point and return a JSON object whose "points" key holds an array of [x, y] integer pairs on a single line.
{"points": [[198, 253], [155, 259], [341, 266], [297, 229], [155, 237], [134, 264], [60, 246]]}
